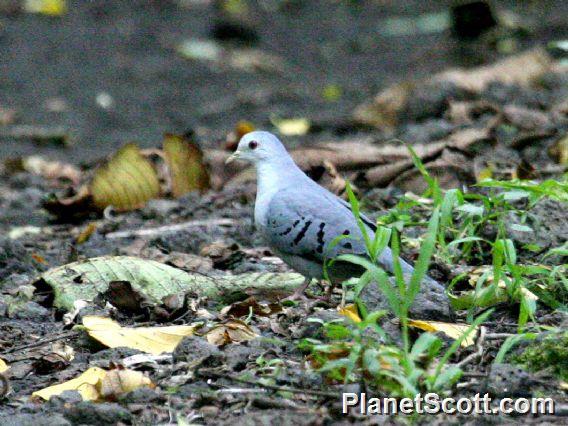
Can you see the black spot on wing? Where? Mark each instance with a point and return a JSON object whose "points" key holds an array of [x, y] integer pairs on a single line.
{"points": [[320, 236], [302, 233], [347, 245], [364, 218], [346, 232], [286, 232]]}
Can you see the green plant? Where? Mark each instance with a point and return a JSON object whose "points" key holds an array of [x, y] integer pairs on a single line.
{"points": [[361, 350]]}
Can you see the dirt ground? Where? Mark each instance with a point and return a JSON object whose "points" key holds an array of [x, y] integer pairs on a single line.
{"points": [[107, 73]]}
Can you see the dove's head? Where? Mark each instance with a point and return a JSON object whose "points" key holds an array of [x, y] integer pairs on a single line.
{"points": [[257, 147]]}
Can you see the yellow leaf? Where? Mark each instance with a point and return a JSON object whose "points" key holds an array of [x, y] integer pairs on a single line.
{"points": [[46, 7], [242, 128], [331, 92], [233, 331], [126, 182], [185, 164], [86, 233], [84, 384], [118, 382], [154, 340], [351, 312], [292, 126], [563, 386], [3, 366], [486, 173], [451, 330]]}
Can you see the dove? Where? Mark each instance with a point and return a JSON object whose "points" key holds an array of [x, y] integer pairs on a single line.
{"points": [[300, 219]]}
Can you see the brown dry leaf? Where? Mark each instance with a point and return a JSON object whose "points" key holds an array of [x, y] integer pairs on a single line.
{"points": [[75, 206], [126, 182], [51, 170], [222, 254], [464, 112], [186, 166], [244, 308], [123, 297], [451, 330], [520, 69], [384, 111], [7, 116], [120, 381], [451, 170], [327, 176], [525, 118], [58, 358], [232, 331]]}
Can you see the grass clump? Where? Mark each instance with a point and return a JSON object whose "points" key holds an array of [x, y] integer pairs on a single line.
{"points": [[548, 353]]}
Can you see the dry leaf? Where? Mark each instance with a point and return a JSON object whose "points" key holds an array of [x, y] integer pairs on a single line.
{"points": [[126, 182], [51, 170], [84, 384], [242, 128], [185, 164], [120, 381], [243, 308], [292, 126], [154, 340], [451, 330], [72, 207], [233, 331], [351, 312], [46, 7], [559, 151], [86, 233], [385, 110], [520, 69]]}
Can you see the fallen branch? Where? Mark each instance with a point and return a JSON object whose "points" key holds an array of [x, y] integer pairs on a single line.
{"points": [[212, 374], [40, 342], [170, 229]]}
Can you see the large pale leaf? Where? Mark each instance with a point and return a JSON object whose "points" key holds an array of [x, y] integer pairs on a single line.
{"points": [[153, 340], [84, 384], [126, 182], [83, 280], [451, 330], [185, 164], [97, 384]]}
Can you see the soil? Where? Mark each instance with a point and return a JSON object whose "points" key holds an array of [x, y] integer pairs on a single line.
{"points": [[52, 71]]}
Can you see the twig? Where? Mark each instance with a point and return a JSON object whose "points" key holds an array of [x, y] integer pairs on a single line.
{"points": [[40, 343], [212, 374], [170, 229], [39, 134], [498, 336], [478, 349], [4, 385]]}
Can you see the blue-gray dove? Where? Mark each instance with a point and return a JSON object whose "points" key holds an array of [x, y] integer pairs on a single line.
{"points": [[299, 219]]}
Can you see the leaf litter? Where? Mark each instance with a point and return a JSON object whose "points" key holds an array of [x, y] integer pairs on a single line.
{"points": [[253, 334]]}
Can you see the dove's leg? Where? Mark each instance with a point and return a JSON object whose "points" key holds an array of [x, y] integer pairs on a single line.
{"points": [[299, 293]]}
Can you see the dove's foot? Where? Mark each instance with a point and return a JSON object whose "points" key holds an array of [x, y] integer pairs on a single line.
{"points": [[300, 292]]}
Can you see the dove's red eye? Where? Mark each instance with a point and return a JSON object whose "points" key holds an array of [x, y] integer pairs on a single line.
{"points": [[253, 144]]}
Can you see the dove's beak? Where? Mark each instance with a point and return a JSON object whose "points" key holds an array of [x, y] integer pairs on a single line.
{"points": [[233, 157]]}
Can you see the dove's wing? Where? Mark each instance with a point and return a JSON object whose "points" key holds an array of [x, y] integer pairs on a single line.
{"points": [[303, 224]]}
